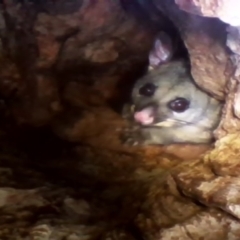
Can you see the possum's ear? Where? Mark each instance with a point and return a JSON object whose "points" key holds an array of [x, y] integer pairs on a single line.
{"points": [[161, 52]]}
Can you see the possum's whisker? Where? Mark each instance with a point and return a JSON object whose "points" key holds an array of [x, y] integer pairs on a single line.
{"points": [[168, 120]]}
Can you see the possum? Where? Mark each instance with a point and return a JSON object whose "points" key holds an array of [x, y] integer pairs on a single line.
{"points": [[167, 106]]}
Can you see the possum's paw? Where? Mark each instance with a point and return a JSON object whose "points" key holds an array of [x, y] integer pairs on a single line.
{"points": [[127, 111], [132, 137]]}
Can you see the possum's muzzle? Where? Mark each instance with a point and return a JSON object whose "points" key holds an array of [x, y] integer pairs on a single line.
{"points": [[147, 116], [167, 123]]}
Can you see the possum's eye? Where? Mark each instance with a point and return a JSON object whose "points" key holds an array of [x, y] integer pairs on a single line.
{"points": [[179, 105], [147, 90]]}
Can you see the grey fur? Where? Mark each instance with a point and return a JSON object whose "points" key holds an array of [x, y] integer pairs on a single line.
{"points": [[195, 125]]}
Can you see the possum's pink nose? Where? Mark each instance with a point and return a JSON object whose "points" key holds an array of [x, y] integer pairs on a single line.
{"points": [[145, 116]]}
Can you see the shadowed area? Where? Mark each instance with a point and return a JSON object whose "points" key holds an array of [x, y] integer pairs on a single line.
{"points": [[67, 68]]}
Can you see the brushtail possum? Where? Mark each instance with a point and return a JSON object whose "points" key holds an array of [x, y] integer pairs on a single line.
{"points": [[167, 106]]}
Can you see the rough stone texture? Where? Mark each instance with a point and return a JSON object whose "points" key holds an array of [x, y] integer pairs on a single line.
{"points": [[226, 10], [51, 47], [74, 198], [205, 40], [230, 122], [65, 65]]}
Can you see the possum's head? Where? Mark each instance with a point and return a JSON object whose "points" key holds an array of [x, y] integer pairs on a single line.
{"points": [[167, 96]]}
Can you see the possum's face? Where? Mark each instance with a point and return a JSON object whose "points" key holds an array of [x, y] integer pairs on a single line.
{"points": [[168, 97], [168, 104]]}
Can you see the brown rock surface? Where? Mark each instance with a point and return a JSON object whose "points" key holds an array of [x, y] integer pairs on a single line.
{"points": [[226, 10], [65, 67], [205, 40]]}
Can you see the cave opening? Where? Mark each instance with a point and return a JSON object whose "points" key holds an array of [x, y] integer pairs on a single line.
{"points": [[41, 143], [67, 69]]}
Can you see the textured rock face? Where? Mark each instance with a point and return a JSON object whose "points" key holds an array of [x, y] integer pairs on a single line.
{"points": [[66, 66], [227, 11], [205, 40], [55, 44]]}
